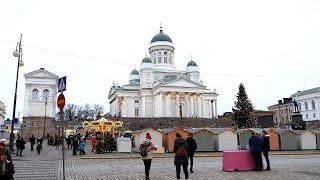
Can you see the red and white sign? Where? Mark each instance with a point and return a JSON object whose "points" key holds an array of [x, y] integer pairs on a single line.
{"points": [[61, 101]]}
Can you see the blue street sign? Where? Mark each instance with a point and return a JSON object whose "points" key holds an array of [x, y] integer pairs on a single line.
{"points": [[62, 84], [15, 120]]}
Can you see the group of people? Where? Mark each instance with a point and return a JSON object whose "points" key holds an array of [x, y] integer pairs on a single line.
{"points": [[183, 148], [39, 144], [260, 143]]}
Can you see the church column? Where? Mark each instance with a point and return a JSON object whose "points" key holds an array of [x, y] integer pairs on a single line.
{"points": [[192, 104], [215, 109], [199, 106], [124, 107], [168, 105], [187, 109], [143, 106], [160, 105], [177, 105]]}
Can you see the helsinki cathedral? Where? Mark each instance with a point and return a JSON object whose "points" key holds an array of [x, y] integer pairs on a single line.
{"points": [[158, 89]]}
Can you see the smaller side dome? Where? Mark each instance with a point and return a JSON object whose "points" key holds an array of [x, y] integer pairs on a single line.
{"points": [[146, 60], [191, 63], [134, 72]]}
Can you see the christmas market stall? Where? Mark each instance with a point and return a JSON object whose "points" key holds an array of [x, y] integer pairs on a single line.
{"points": [[204, 139], [306, 140], [287, 139], [140, 135], [224, 139], [169, 135]]}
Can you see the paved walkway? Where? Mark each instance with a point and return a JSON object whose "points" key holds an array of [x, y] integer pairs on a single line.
{"points": [[48, 165]]}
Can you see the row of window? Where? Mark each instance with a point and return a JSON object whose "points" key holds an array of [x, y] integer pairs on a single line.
{"points": [[165, 60], [306, 105], [313, 114], [35, 94]]}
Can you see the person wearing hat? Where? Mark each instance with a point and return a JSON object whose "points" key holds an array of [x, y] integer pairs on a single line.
{"points": [[146, 151], [6, 165]]}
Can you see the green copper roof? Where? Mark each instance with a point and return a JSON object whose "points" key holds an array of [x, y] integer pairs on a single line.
{"points": [[146, 60], [191, 63], [161, 37], [134, 72], [305, 92]]}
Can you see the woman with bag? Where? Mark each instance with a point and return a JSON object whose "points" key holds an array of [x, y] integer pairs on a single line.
{"points": [[146, 151]]}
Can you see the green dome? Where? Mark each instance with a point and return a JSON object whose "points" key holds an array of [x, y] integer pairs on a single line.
{"points": [[146, 60], [134, 72], [192, 63], [161, 37]]}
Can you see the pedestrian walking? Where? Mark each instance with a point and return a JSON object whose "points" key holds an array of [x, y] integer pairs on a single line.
{"points": [[6, 164], [75, 144], [18, 146], [192, 146], [39, 147], [82, 147], [32, 142], [146, 151], [93, 142], [69, 140], [22, 146], [255, 148], [181, 156], [266, 148]]}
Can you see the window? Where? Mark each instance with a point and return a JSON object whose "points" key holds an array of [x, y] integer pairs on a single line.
{"points": [[45, 94], [159, 59], [307, 116], [299, 106], [313, 104], [35, 94], [136, 112], [306, 106], [170, 60], [165, 60], [136, 101], [314, 115]]}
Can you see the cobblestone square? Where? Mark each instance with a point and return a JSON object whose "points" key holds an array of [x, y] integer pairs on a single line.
{"points": [[48, 165]]}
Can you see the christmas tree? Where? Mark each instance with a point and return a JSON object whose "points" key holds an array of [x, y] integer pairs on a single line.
{"points": [[243, 116]]}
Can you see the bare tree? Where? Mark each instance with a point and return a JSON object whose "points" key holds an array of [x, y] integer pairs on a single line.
{"points": [[70, 112], [98, 110]]}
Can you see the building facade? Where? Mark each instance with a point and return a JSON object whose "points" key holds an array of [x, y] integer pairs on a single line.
{"points": [[159, 90], [308, 103], [282, 111], [2, 112], [39, 103]]}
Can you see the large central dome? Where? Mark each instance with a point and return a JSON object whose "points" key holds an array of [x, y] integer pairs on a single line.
{"points": [[161, 37]]}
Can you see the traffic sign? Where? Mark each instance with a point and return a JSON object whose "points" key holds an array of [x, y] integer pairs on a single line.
{"points": [[15, 120], [61, 101], [62, 84]]}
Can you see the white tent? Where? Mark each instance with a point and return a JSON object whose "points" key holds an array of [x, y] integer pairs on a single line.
{"points": [[140, 135], [224, 139], [306, 140]]}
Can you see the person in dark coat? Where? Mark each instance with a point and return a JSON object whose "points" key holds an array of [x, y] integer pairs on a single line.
{"points": [[181, 156], [266, 148], [192, 146], [75, 144], [22, 145], [32, 142], [18, 146], [255, 148]]}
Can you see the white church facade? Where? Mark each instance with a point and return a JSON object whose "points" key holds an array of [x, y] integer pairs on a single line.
{"points": [[40, 94], [160, 90]]}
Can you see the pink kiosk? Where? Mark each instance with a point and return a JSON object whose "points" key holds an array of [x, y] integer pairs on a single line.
{"points": [[240, 160]]}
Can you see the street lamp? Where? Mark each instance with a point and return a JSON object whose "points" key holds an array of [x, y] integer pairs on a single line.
{"points": [[17, 53]]}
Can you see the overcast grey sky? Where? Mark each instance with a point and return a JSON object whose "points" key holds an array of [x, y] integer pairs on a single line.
{"points": [[271, 46]]}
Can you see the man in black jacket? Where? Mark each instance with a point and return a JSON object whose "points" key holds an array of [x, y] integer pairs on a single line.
{"points": [[192, 146], [32, 142], [266, 148]]}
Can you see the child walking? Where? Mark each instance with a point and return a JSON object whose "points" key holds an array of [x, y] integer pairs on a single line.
{"points": [[39, 147]]}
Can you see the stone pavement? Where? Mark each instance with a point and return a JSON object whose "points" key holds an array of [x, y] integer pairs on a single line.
{"points": [[48, 165]]}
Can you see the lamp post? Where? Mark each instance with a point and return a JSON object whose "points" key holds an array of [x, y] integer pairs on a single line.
{"points": [[17, 53]]}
